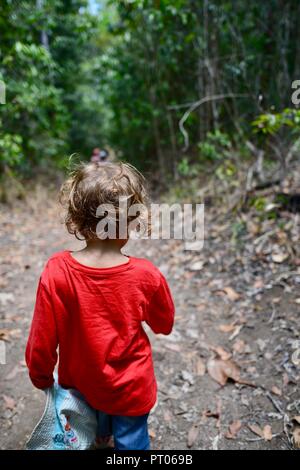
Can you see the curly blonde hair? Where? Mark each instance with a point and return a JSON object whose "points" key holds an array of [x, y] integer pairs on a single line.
{"points": [[93, 184]]}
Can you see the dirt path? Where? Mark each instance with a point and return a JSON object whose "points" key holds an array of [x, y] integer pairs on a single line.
{"points": [[230, 305]]}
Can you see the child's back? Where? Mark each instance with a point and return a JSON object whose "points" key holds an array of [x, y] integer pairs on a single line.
{"points": [[95, 316]]}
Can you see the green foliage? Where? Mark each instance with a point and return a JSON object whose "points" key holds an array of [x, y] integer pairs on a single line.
{"points": [[259, 203], [238, 229], [216, 145], [272, 123], [141, 76], [34, 109], [11, 149], [166, 53], [125, 76], [42, 51], [226, 171], [184, 167]]}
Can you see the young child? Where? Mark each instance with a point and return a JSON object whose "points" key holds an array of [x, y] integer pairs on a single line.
{"points": [[91, 304]]}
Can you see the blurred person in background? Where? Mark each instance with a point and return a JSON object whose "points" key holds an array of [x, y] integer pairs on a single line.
{"points": [[99, 155]]}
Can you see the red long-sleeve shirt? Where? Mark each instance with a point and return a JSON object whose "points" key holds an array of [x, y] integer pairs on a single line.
{"points": [[95, 317]]}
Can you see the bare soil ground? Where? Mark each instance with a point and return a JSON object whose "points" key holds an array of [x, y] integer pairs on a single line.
{"points": [[237, 315]]}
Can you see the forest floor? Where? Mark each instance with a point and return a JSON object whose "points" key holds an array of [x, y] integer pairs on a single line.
{"points": [[237, 316]]}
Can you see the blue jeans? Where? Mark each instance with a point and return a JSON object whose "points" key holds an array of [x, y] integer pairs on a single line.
{"points": [[130, 432]]}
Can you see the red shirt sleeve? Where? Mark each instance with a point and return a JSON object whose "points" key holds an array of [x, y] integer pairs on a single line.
{"points": [[161, 310], [41, 354]]}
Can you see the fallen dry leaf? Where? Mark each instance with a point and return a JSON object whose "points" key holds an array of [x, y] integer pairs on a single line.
{"points": [[285, 379], [295, 358], [224, 355], [192, 435], [267, 433], [221, 371], [200, 367], [173, 347], [239, 346], [9, 402], [253, 228], [296, 437], [197, 266], [227, 328], [231, 294], [233, 429], [279, 257], [258, 284], [296, 419], [276, 391], [201, 307], [6, 334]]}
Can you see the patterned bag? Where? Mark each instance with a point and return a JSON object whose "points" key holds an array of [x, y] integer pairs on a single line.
{"points": [[67, 423]]}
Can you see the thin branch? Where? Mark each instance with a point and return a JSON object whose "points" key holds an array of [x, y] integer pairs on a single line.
{"points": [[174, 107], [193, 106]]}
